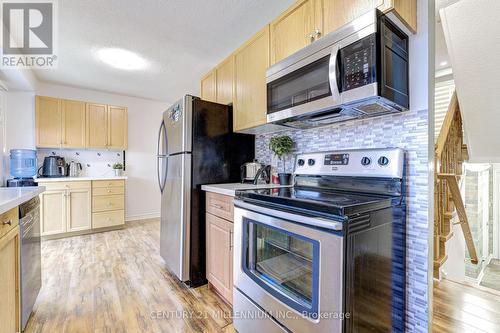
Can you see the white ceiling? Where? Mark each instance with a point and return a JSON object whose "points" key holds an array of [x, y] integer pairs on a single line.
{"points": [[182, 39], [471, 30]]}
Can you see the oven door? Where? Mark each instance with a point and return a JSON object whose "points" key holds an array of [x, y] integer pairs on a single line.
{"points": [[292, 271]]}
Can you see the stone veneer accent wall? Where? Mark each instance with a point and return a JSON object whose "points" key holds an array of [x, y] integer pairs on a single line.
{"points": [[407, 130]]}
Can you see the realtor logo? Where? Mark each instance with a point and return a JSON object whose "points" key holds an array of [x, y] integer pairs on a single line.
{"points": [[28, 33]]}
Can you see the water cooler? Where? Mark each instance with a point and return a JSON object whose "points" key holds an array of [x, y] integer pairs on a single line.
{"points": [[22, 168]]}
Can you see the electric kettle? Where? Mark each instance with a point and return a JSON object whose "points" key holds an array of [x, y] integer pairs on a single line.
{"points": [[74, 169]]}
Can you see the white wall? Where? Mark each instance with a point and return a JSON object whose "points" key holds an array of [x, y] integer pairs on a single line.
{"points": [[142, 194]]}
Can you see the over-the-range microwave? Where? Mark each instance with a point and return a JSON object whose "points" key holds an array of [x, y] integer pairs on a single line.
{"points": [[359, 70]]}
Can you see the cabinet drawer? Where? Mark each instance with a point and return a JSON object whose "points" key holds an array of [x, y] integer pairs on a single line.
{"points": [[97, 191], [8, 221], [54, 186], [108, 219], [108, 183], [108, 202], [220, 205]]}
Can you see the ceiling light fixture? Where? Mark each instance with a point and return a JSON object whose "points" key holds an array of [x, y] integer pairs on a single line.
{"points": [[122, 59]]}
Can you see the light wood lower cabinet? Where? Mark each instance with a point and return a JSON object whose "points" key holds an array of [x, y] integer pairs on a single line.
{"points": [[53, 212], [79, 206], [10, 318], [219, 247], [108, 203], [65, 207]]}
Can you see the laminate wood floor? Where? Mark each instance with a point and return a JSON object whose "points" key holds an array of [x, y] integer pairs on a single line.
{"points": [[116, 282], [463, 308]]}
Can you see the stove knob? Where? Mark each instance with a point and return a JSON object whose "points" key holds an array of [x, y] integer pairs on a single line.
{"points": [[301, 162], [366, 161], [311, 162], [383, 161]]}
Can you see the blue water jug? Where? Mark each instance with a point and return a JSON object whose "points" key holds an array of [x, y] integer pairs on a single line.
{"points": [[22, 163]]}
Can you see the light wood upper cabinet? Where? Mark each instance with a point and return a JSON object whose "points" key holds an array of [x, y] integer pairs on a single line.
{"points": [[48, 122], [117, 127], [220, 255], [79, 209], [73, 120], [225, 81], [294, 29], [405, 10], [208, 87], [251, 63], [53, 212], [64, 123], [337, 13], [10, 282], [97, 126]]}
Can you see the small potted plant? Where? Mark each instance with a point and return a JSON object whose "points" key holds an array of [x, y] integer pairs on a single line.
{"points": [[282, 146], [118, 167]]}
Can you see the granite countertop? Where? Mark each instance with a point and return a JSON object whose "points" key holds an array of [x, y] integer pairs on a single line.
{"points": [[231, 188], [11, 197], [83, 178]]}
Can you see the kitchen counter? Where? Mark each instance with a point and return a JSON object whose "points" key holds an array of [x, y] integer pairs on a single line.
{"points": [[83, 178], [11, 197], [231, 188]]}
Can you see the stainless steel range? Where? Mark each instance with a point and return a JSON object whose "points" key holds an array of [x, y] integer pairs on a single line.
{"points": [[327, 255]]}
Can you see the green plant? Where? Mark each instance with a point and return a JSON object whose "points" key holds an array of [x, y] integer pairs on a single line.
{"points": [[118, 166], [281, 146]]}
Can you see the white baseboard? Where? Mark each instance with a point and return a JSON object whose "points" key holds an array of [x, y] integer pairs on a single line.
{"points": [[146, 216]]}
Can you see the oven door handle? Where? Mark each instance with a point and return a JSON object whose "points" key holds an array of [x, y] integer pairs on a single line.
{"points": [[334, 72], [313, 221]]}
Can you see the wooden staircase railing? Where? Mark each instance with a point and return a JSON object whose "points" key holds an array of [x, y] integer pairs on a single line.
{"points": [[450, 153]]}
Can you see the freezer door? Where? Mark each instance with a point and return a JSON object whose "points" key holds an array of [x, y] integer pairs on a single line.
{"points": [[176, 217], [178, 124]]}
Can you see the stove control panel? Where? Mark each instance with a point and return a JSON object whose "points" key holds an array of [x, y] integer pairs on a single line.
{"points": [[386, 162]]}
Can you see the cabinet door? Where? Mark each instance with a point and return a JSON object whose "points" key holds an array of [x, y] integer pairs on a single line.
{"points": [[293, 30], [79, 210], [225, 80], [48, 120], [53, 212], [220, 255], [117, 127], [208, 87], [97, 130], [336, 13], [9, 282], [73, 113], [251, 63]]}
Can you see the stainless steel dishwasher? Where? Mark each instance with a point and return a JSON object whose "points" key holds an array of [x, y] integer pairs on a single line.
{"points": [[31, 270]]}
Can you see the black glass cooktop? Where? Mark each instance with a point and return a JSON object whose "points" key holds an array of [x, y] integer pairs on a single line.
{"points": [[318, 200]]}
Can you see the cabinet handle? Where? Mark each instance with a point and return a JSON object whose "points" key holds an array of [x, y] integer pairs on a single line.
{"points": [[310, 37], [317, 33], [230, 240], [9, 222], [109, 191], [217, 206]]}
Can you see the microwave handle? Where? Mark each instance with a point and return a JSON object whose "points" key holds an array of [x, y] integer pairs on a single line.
{"points": [[334, 73]]}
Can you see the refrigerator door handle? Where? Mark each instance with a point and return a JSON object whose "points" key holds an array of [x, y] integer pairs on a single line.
{"points": [[163, 130], [160, 156], [161, 182]]}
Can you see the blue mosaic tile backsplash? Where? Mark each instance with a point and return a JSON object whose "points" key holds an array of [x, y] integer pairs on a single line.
{"points": [[407, 130]]}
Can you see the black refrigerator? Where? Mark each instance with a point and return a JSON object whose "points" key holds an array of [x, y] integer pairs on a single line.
{"points": [[196, 146]]}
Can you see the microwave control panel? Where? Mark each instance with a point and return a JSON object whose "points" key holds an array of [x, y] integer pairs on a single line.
{"points": [[359, 63]]}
